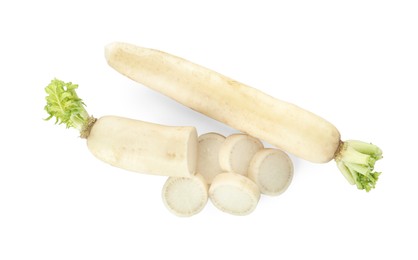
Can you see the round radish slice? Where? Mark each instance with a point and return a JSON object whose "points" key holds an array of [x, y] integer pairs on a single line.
{"points": [[185, 196], [234, 194], [208, 154], [271, 170], [237, 151]]}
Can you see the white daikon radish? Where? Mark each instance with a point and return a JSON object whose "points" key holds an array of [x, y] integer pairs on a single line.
{"points": [[208, 154], [125, 143], [185, 196], [282, 124], [271, 170], [144, 147], [234, 194], [237, 151]]}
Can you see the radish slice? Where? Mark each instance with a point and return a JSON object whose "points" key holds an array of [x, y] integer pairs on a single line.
{"points": [[234, 194], [237, 151], [271, 170], [208, 153], [185, 196]]}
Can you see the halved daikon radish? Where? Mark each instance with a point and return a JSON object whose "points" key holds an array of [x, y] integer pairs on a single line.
{"points": [[237, 151], [129, 144], [208, 154], [234, 194], [271, 170]]}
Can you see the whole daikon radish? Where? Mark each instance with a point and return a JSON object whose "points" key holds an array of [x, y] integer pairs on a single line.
{"points": [[282, 124], [129, 144]]}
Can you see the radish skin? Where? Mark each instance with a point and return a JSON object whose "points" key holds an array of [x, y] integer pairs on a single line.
{"points": [[144, 147], [282, 124]]}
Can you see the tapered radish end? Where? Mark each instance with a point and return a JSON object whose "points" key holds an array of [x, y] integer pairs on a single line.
{"points": [[110, 50]]}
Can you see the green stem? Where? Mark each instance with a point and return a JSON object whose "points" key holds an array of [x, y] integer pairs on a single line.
{"points": [[366, 148], [346, 172], [356, 161], [64, 104]]}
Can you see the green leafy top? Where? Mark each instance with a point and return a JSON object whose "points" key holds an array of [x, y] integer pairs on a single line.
{"points": [[356, 162], [64, 104]]}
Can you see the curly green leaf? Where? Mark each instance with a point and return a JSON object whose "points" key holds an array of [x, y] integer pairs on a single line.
{"points": [[64, 104]]}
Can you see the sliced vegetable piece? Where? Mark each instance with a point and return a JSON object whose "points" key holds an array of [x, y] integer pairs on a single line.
{"points": [[237, 151], [272, 170], [208, 155], [185, 196], [234, 194]]}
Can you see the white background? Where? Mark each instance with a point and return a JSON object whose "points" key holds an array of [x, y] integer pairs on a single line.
{"points": [[355, 63]]}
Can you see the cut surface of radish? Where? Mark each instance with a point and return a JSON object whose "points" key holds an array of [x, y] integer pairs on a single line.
{"points": [[234, 194], [208, 155], [237, 151], [271, 170], [185, 196]]}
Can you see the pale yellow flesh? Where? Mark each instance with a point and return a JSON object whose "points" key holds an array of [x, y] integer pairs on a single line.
{"points": [[208, 153], [144, 147], [234, 194], [246, 109], [237, 151], [185, 196], [271, 170]]}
